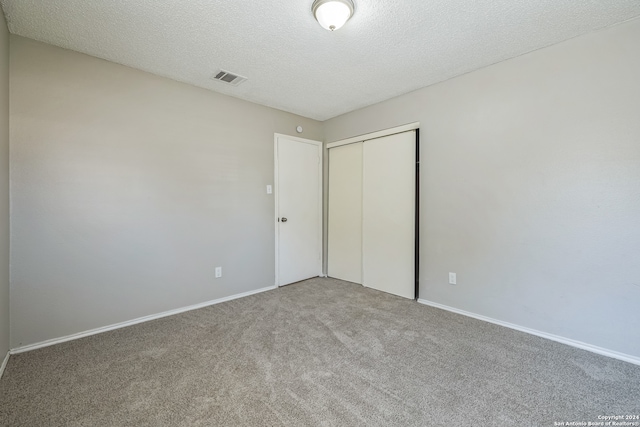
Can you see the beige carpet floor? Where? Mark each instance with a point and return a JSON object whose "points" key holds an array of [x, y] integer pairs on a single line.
{"points": [[317, 353]]}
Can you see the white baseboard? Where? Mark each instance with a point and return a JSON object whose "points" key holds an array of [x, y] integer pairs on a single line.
{"points": [[592, 348], [79, 335], [4, 363]]}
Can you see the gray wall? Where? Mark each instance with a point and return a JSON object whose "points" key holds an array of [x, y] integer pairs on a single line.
{"points": [[4, 188], [530, 187], [129, 189]]}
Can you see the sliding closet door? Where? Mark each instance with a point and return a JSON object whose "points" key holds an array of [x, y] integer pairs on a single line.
{"points": [[345, 213], [388, 212]]}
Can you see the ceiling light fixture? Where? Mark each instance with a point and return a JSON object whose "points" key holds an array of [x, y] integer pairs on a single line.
{"points": [[332, 14]]}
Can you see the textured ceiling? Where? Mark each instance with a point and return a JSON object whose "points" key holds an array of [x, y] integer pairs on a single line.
{"points": [[388, 48]]}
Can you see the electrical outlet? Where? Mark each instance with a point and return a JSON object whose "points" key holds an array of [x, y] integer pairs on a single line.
{"points": [[452, 278], [218, 272]]}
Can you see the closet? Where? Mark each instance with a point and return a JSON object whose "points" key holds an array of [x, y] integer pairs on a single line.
{"points": [[372, 213]]}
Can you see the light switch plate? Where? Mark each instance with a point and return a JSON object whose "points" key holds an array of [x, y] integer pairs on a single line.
{"points": [[269, 189], [452, 278]]}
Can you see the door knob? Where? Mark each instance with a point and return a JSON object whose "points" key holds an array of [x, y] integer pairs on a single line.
{"points": [[284, 220]]}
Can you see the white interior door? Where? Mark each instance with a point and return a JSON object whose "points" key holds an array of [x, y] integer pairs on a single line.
{"points": [[388, 206], [345, 213], [298, 209]]}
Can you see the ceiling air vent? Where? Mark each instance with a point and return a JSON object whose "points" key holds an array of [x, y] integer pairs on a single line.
{"points": [[227, 77]]}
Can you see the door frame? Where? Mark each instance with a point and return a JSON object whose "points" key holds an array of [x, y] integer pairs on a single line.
{"points": [[319, 145], [374, 135]]}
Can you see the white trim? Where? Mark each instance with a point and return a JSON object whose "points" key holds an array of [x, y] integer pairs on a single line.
{"points": [[96, 331], [276, 192], [373, 135], [4, 363], [276, 202], [573, 343]]}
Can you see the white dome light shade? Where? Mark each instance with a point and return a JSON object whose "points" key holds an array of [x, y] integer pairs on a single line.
{"points": [[332, 14]]}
